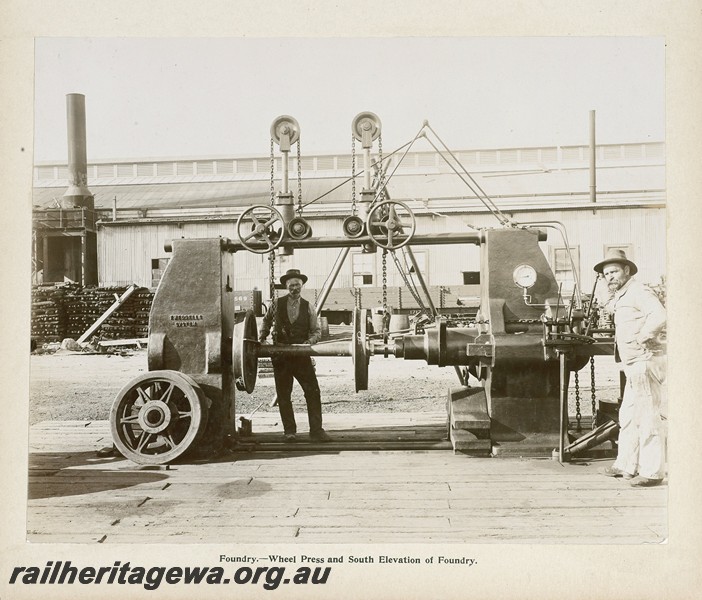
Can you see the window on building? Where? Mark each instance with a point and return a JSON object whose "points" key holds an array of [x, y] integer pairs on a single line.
{"points": [[627, 248], [471, 277], [363, 266], [566, 271]]}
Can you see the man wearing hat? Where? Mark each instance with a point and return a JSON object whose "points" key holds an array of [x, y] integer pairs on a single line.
{"points": [[639, 319], [295, 323]]}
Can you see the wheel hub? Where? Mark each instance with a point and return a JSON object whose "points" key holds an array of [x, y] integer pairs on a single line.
{"points": [[155, 416]]}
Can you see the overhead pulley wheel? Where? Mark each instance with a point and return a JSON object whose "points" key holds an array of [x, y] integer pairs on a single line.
{"points": [[299, 228], [245, 352], [359, 350], [158, 417], [391, 224], [285, 131], [353, 227], [366, 128], [260, 224]]}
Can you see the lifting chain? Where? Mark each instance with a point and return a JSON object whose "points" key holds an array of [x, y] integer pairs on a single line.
{"points": [[353, 175], [477, 322], [381, 170], [273, 293], [592, 391], [385, 293], [412, 289], [299, 181], [578, 416], [527, 321], [272, 176]]}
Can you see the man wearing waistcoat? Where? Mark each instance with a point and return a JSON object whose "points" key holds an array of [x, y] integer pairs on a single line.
{"points": [[295, 323]]}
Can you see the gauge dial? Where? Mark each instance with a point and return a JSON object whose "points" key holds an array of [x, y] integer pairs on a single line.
{"points": [[524, 276]]}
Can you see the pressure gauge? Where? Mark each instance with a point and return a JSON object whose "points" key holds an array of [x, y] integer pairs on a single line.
{"points": [[524, 276]]}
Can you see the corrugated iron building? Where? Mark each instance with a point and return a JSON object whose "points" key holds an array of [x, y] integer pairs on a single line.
{"points": [[143, 204]]}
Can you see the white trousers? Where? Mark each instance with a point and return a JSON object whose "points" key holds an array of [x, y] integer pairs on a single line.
{"points": [[642, 435]]}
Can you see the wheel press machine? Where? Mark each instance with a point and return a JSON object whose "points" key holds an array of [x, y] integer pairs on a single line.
{"points": [[522, 349]]}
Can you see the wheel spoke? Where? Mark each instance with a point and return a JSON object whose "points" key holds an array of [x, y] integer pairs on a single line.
{"points": [[185, 414], [168, 439], [390, 234], [143, 439], [129, 419], [143, 396], [167, 395], [270, 221], [248, 237]]}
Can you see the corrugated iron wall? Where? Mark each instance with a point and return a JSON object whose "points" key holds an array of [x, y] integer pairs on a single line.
{"points": [[125, 252]]}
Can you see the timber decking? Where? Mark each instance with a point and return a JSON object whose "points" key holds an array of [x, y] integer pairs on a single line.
{"points": [[349, 491]]}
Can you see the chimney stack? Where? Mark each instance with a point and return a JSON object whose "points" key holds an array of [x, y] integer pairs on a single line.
{"points": [[77, 195]]}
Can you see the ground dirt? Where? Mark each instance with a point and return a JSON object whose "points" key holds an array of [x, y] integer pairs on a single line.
{"points": [[83, 386]]}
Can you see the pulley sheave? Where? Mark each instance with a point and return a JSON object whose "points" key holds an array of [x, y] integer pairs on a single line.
{"points": [[354, 227], [299, 228], [285, 130], [366, 128]]}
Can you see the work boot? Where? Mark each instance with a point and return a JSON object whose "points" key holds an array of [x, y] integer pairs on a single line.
{"points": [[320, 436], [644, 482], [614, 472], [290, 437]]}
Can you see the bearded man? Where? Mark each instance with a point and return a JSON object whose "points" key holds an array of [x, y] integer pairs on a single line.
{"points": [[639, 320]]}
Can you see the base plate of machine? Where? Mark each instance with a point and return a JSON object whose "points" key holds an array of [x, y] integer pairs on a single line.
{"points": [[399, 437]]}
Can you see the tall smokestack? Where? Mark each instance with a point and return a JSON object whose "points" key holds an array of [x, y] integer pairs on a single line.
{"points": [[77, 195]]}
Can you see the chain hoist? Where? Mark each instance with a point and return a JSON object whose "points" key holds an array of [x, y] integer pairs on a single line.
{"points": [[385, 293], [299, 181], [273, 293], [412, 288], [381, 170], [354, 208], [271, 255], [272, 175], [578, 416], [592, 391]]}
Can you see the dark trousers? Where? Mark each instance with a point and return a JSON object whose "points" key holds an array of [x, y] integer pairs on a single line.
{"points": [[299, 367]]}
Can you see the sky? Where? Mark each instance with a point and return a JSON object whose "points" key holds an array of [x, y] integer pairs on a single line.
{"points": [[178, 97]]}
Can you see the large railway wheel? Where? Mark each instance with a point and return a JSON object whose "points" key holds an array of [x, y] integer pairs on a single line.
{"points": [[158, 416]]}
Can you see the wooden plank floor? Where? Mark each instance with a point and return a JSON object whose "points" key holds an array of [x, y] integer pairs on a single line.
{"points": [[350, 491]]}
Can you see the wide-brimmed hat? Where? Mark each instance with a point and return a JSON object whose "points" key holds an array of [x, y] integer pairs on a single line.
{"points": [[616, 255], [293, 274]]}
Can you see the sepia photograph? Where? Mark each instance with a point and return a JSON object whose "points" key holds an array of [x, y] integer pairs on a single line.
{"points": [[437, 282], [303, 311]]}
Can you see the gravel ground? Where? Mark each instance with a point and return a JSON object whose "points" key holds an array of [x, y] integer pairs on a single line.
{"points": [[83, 386]]}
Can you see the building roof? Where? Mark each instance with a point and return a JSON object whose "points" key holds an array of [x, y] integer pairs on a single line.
{"points": [[626, 173]]}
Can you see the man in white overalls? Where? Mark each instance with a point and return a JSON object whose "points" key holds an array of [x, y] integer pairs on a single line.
{"points": [[639, 320]]}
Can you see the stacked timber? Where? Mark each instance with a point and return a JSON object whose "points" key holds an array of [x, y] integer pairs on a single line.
{"points": [[67, 311], [140, 302], [78, 311], [121, 324], [49, 319]]}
